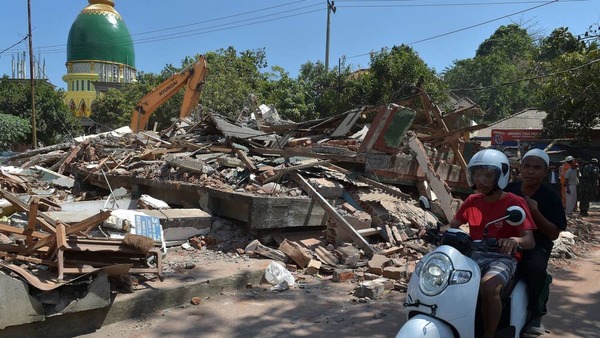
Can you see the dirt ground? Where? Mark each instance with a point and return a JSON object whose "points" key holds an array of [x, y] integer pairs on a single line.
{"points": [[323, 308], [320, 309], [574, 307]]}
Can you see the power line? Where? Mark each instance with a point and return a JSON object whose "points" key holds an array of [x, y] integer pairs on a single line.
{"points": [[457, 4], [466, 28], [16, 43], [61, 48], [214, 28], [410, 96], [527, 78], [221, 18]]}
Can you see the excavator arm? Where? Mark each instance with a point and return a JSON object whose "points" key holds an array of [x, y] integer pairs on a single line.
{"points": [[192, 78]]}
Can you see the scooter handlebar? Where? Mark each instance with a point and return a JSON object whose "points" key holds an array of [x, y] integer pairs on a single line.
{"points": [[485, 245]]}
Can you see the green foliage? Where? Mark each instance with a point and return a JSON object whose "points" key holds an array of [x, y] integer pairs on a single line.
{"points": [[113, 109], [13, 130], [321, 89], [288, 95], [232, 76], [510, 42], [395, 71], [54, 122], [492, 77], [572, 98], [558, 43]]}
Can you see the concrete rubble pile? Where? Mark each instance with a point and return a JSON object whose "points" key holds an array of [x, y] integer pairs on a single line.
{"points": [[69, 209], [205, 159], [575, 241]]}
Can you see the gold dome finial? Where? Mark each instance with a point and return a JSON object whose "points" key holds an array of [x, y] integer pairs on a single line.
{"points": [[101, 7], [102, 2]]}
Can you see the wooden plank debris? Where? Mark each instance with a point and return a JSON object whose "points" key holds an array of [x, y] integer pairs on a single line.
{"points": [[388, 189], [438, 185]]}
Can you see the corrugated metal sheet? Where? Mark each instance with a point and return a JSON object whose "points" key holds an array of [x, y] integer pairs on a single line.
{"points": [[527, 119], [231, 130]]}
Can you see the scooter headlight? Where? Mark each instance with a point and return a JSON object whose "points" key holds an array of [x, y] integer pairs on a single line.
{"points": [[435, 273], [460, 277]]}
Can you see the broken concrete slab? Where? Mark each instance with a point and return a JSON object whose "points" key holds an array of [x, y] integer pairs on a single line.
{"points": [[178, 224], [54, 177], [98, 296], [262, 212], [327, 188], [372, 289], [95, 205], [16, 305]]}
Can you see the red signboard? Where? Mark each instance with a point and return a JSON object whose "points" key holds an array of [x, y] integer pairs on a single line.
{"points": [[499, 136]]}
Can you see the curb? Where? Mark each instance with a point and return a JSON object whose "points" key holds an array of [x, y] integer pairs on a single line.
{"points": [[141, 302], [151, 300]]}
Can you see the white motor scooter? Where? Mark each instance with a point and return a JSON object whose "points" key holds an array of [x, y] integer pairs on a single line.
{"points": [[442, 295]]}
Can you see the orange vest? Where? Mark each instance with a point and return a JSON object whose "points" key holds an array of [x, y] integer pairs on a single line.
{"points": [[562, 170]]}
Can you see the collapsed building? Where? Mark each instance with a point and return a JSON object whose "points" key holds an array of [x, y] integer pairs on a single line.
{"points": [[70, 209]]}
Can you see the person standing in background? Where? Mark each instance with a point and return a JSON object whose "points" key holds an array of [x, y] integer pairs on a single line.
{"points": [[588, 185], [562, 171], [571, 182], [553, 178]]}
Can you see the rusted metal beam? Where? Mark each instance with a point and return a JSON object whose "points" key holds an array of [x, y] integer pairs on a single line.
{"points": [[331, 212]]}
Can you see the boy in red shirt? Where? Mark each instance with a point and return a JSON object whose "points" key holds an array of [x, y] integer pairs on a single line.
{"points": [[488, 173]]}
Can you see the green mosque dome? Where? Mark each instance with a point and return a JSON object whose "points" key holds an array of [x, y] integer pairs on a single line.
{"points": [[100, 34]]}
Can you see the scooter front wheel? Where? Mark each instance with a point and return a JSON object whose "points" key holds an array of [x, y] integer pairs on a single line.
{"points": [[425, 326]]}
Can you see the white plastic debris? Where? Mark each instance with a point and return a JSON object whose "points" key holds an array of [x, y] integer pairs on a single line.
{"points": [[279, 276]]}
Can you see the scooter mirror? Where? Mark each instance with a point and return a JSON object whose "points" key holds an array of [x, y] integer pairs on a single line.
{"points": [[424, 203], [515, 215]]}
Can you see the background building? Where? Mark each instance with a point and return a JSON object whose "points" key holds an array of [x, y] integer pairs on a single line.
{"points": [[100, 55]]}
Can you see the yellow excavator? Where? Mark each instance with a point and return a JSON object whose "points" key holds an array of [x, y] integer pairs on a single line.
{"points": [[192, 77]]}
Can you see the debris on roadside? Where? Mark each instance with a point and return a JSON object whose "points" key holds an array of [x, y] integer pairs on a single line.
{"points": [[331, 198]]}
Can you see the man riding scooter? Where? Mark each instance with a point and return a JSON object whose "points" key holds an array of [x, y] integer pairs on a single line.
{"points": [[488, 172], [549, 216]]}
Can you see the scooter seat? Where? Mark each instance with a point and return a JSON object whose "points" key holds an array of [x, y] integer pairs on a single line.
{"points": [[510, 286]]}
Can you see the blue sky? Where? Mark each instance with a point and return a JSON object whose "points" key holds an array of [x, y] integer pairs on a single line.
{"points": [[291, 31]]}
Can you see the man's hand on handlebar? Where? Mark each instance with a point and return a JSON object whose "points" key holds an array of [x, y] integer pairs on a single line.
{"points": [[508, 246]]}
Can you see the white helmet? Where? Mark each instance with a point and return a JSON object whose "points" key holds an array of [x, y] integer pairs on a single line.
{"points": [[493, 159]]}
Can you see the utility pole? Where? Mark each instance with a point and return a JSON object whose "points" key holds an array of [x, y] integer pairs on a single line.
{"points": [[31, 74], [330, 8]]}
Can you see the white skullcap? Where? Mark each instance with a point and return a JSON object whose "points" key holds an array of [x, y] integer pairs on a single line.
{"points": [[538, 153]]}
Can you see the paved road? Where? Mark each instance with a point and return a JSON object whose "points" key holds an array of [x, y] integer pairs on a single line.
{"points": [[574, 305], [319, 310], [324, 309]]}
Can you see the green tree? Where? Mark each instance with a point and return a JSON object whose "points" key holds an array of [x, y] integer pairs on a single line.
{"points": [[492, 77], [113, 109], [393, 73], [572, 98], [558, 43], [509, 41], [54, 122], [288, 95], [13, 130], [321, 88], [232, 76]]}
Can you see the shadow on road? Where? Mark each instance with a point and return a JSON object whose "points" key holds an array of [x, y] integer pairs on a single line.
{"points": [[574, 307]]}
